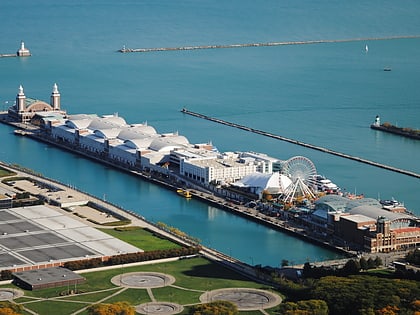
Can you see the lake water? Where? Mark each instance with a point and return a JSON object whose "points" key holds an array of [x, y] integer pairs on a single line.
{"points": [[324, 94]]}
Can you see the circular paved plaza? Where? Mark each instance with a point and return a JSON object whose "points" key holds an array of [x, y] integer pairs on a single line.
{"points": [[245, 298], [159, 308], [143, 280], [10, 294]]}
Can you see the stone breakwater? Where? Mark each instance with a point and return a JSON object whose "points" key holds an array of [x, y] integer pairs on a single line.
{"points": [[307, 42]]}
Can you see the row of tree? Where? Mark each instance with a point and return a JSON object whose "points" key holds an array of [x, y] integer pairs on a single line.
{"points": [[352, 267], [413, 257], [132, 257]]}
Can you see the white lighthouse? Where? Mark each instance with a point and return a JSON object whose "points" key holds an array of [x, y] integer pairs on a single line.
{"points": [[55, 98], [23, 52], [20, 100]]}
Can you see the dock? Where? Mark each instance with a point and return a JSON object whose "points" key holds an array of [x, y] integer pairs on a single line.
{"points": [[303, 144], [267, 44]]}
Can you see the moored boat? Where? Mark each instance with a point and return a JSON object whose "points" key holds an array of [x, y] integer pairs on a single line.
{"points": [[184, 193]]}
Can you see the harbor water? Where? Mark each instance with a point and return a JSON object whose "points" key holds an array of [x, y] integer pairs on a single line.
{"points": [[324, 94]]}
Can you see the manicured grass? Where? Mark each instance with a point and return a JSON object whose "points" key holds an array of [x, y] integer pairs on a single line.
{"points": [[132, 296], [5, 172], [193, 277], [141, 238], [387, 273], [51, 307]]}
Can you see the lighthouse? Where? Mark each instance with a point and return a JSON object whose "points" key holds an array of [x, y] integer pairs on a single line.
{"points": [[55, 98], [23, 52], [377, 121], [20, 100]]}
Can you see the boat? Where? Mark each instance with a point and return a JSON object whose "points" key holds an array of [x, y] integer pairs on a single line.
{"points": [[184, 193], [387, 69], [393, 205]]}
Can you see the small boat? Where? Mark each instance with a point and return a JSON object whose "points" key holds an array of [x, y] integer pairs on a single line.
{"points": [[366, 48], [184, 193], [387, 69], [393, 205]]}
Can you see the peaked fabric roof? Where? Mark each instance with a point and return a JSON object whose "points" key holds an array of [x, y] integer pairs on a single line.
{"points": [[265, 181]]}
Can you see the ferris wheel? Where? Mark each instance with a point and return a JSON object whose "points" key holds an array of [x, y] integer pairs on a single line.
{"points": [[302, 173]]}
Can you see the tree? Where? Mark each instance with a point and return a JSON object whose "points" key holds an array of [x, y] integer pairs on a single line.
{"points": [[371, 263], [215, 308], [284, 262], [305, 307], [8, 308], [363, 263], [118, 308], [351, 267], [388, 310], [378, 261], [413, 257]]}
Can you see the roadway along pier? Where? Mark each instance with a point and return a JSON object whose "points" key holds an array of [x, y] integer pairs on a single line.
{"points": [[306, 42], [307, 145]]}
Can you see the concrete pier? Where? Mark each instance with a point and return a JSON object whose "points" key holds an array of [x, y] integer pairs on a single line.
{"points": [[307, 42], [22, 52], [307, 145]]}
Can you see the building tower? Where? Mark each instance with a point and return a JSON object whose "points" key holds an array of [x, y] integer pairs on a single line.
{"points": [[383, 226], [55, 98], [20, 100], [377, 121]]}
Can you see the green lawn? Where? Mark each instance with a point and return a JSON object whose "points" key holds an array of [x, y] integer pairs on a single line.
{"points": [[193, 277], [5, 172], [141, 238]]}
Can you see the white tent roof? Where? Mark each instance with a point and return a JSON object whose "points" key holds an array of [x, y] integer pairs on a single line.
{"points": [[265, 181]]}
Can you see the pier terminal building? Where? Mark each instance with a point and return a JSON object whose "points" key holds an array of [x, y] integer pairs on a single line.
{"points": [[362, 223]]}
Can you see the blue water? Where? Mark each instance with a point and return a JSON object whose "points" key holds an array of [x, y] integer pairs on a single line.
{"points": [[324, 94]]}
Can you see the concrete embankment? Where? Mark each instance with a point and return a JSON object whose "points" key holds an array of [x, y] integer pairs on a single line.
{"points": [[307, 42], [297, 142]]}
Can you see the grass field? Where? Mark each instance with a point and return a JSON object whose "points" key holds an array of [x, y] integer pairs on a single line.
{"points": [[141, 238], [5, 172], [193, 277]]}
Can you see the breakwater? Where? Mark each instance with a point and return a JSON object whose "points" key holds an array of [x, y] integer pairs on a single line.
{"points": [[404, 132], [297, 142], [8, 55], [267, 44]]}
